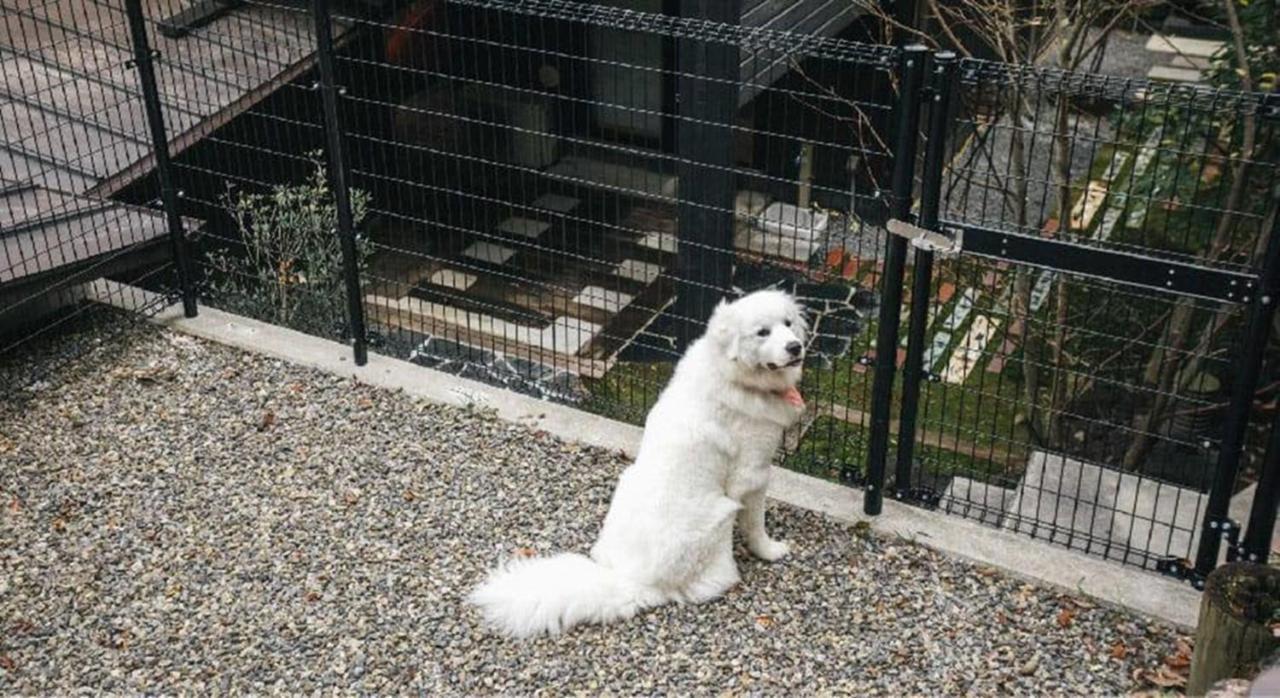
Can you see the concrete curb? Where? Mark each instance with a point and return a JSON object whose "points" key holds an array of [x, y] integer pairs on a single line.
{"points": [[1107, 582]]}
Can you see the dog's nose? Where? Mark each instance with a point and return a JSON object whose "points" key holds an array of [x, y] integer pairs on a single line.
{"points": [[794, 348]]}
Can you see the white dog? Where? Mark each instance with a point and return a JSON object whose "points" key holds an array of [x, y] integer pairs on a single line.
{"points": [[703, 461]]}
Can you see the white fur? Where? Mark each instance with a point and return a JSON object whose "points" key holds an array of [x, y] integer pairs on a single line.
{"points": [[703, 462]]}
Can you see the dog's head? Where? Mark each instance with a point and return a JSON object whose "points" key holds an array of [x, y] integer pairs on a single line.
{"points": [[763, 335]]}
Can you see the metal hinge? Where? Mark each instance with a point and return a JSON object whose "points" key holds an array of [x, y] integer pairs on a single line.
{"points": [[1230, 530], [928, 240], [1179, 568], [926, 497]]}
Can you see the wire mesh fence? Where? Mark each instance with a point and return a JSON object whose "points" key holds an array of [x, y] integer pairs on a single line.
{"points": [[551, 196], [71, 113]]}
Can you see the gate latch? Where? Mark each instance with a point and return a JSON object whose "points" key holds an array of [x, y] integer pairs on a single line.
{"points": [[927, 240]]}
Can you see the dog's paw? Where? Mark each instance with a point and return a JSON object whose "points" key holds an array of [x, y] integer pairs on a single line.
{"points": [[771, 550]]}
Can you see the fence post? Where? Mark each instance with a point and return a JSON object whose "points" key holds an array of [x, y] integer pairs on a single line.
{"points": [[1247, 369], [913, 368], [143, 59], [1262, 516], [339, 180], [907, 123]]}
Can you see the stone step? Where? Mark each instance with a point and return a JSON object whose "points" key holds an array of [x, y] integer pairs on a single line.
{"points": [[1087, 507], [1171, 74], [977, 500], [1198, 48]]}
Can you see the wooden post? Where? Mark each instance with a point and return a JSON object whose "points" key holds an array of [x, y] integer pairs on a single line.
{"points": [[1234, 632]]}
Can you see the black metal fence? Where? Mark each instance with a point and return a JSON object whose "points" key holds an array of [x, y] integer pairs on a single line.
{"points": [[1041, 300]]}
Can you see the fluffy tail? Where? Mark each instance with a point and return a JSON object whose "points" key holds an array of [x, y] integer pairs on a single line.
{"points": [[529, 597]]}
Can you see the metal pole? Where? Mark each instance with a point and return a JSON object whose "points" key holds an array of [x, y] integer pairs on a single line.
{"points": [[339, 180], [1262, 516], [143, 59], [1247, 369], [913, 368], [911, 72]]}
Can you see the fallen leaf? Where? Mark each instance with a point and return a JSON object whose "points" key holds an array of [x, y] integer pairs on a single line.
{"points": [[364, 403], [525, 552], [409, 496], [312, 596], [1180, 659], [7, 663], [1164, 677], [764, 622], [268, 420], [1119, 651], [350, 498], [1065, 616]]}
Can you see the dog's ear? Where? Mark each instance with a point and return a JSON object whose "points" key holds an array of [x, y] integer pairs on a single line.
{"points": [[720, 329], [802, 322]]}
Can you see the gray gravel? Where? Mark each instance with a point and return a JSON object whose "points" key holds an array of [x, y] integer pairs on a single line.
{"points": [[178, 516]]}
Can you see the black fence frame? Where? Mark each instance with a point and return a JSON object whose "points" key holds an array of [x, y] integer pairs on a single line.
{"points": [[926, 86]]}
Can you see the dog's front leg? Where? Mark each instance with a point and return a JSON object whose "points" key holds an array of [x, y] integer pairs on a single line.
{"points": [[751, 521]]}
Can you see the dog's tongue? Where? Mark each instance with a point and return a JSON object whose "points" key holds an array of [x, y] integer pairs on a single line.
{"points": [[793, 396]]}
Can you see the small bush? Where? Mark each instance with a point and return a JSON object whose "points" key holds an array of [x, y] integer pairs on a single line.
{"points": [[289, 271]]}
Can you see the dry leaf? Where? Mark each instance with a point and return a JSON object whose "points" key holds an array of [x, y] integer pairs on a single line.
{"points": [[1164, 677], [409, 496], [268, 420], [1181, 659], [312, 596], [364, 403], [1119, 651], [7, 663], [350, 498], [1065, 616], [764, 622], [525, 552]]}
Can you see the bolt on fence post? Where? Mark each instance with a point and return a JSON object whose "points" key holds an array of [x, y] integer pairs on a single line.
{"points": [[911, 73], [942, 74], [143, 59], [1248, 367], [339, 180]]}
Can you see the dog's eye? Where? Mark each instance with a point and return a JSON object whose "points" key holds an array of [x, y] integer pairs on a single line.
{"points": [[762, 332], [787, 323]]}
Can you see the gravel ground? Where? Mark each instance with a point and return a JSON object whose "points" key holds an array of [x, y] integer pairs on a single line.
{"points": [[178, 516]]}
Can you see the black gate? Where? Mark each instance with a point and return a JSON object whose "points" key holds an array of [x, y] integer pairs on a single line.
{"points": [[1089, 306]]}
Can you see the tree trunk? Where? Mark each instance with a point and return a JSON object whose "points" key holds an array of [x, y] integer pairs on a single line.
{"points": [[1022, 326], [1233, 635], [1062, 173]]}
